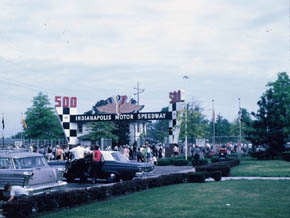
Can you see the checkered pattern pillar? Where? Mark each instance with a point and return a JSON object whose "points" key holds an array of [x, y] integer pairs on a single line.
{"points": [[68, 123]]}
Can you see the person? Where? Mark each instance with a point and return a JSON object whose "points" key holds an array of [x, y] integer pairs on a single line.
{"points": [[139, 155], [196, 158], [160, 152], [77, 152], [97, 164], [15, 191], [175, 150], [58, 153], [126, 152]]}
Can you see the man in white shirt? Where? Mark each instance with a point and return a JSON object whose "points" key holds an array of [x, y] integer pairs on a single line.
{"points": [[78, 152], [15, 191]]}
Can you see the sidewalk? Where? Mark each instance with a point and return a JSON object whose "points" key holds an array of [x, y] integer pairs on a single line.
{"points": [[250, 178]]}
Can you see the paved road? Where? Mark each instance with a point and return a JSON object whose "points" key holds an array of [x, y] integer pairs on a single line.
{"points": [[159, 170]]}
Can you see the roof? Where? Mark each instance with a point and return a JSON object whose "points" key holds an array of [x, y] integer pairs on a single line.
{"points": [[123, 108], [11, 154]]}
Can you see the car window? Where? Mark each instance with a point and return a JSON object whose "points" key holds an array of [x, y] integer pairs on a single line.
{"points": [[29, 162], [5, 163], [119, 157]]}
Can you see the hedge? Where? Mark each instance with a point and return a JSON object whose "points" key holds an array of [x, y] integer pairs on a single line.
{"points": [[180, 162], [225, 170], [177, 161], [286, 155], [28, 206], [223, 166]]}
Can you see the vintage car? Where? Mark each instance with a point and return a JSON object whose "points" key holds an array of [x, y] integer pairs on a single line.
{"points": [[29, 170], [114, 168]]}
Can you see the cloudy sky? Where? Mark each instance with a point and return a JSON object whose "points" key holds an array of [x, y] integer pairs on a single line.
{"points": [[94, 49]]}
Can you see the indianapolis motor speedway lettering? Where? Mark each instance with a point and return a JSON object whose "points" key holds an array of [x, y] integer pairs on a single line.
{"points": [[125, 116]]}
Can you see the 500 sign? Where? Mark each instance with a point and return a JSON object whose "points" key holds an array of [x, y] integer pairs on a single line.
{"points": [[65, 101]]}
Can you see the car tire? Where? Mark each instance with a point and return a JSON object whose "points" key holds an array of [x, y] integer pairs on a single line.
{"points": [[113, 177]]}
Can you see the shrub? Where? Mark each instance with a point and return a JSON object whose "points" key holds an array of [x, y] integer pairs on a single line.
{"points": [[286, 155], [196, 177], [163, 162], [216, 175], [180, 162], [262, 155], [203, 162], [215, 159], [210, 168], [47, 202]]}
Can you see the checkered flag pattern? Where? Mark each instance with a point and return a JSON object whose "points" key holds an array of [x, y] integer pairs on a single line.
{"points": [[174, 122], [68, 124]]}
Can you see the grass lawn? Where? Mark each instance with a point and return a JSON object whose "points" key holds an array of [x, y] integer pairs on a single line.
{"points": [[253, 167], [230, 199]]}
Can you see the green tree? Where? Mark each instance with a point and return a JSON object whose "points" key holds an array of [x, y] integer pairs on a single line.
{"points": [[100, 130], [222, 126], [41, 120], [197, 124], [246, 124], [272, 124], [158, 130]]}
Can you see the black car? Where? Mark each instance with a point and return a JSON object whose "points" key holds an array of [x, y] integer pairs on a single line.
{"points": [[114, 168]]}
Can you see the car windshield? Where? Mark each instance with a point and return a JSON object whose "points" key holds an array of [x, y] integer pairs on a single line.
{"points": [[119, 157], [29, 162], [5, 163]]}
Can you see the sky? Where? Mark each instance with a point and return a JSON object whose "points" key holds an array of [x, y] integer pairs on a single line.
{"points": [[95, 49]]}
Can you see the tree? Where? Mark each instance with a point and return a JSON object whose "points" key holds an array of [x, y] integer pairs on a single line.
{"points": [[100, 130], [158, 130], [222, 126], [41, 120], [246, 124], [272, 124], [197, 124]]}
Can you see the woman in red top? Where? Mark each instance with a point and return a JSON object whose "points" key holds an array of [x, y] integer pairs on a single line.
{"points": [[97, 164]]}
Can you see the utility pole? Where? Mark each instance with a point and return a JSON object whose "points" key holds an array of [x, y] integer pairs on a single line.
{"points": [[240, 127], [139, 91]]}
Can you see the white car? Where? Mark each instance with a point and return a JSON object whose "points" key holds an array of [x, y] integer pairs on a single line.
{"points": [[29, 170]]}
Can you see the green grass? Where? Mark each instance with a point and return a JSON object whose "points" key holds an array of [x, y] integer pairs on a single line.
{"points": [[267, 168], [251, 199]]}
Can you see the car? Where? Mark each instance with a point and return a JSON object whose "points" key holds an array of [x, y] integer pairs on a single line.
{"points": [[29, 170], [114, 168]]}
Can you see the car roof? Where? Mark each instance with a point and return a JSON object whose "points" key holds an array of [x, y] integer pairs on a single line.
{"points": [[13, 154], [108, 155]]}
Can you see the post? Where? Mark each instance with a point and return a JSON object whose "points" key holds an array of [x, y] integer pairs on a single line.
{"points": [[186, 108], [139, 91], [213, 124], [240, 129], [3, 126]]}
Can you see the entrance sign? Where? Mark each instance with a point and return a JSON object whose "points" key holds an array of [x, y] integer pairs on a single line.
{"points": [[66, 108]]}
